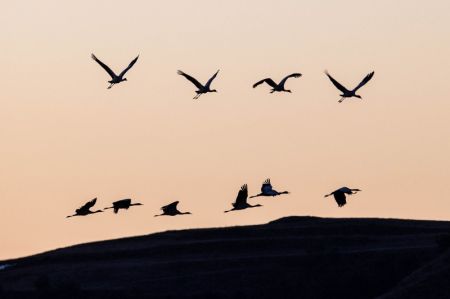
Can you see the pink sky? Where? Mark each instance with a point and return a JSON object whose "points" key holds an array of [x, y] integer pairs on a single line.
{"points": [[67, 139]]}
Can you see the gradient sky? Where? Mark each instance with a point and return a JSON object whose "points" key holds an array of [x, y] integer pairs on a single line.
{"points": [[66, 139]]}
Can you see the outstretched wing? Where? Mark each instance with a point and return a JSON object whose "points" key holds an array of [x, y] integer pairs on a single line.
{"points": [[267, 80], [104, 66], [129, 67], [170, 207], [242, 196], [266, 187], [294, 75], [211, 79], [337, 84], [364, 81], [340, 198], [192, 79], [89, 204]]}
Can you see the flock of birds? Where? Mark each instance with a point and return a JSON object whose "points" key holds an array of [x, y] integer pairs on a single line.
{"points": [[202, 89], [241, 202]]}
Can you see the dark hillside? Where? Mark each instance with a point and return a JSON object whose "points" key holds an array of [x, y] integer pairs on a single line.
{"points": [[293, 257]]}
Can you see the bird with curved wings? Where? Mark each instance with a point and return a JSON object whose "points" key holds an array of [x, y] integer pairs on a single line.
{"points": [[340, 195], [85, 209], [201, 89], [267, 190], [280, 86], [171, 210], [122, 204], [115, 78], [241, 200], [349, 93]]}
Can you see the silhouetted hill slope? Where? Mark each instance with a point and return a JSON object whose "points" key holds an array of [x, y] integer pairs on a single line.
{"points": [[293, 257], [430, 281]]}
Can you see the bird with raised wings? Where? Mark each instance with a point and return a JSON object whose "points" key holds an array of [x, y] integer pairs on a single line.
{"points": [[241, 200], [280, 86], [201, 88], [115, 78], [340, 195], [123, 204], [267, 190], [85, 209], [171, 210], [349, 93]]}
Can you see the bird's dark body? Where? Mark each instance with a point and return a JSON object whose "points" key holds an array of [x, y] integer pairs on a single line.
{"points": [[241, 200], [172, 210], [277, 87], [340, 195], [267, 190], [121, 204], [86, 209], [202, 89], [349, 93], [114, 77]]}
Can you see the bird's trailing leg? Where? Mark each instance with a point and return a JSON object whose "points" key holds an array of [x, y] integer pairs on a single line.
{"points": [[110, 85], [197, 96], [341, 100]]}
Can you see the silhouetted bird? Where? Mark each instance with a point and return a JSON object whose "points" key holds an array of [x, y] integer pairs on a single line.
{"points": [[85, 210], [339, 195], [122, 204], [266, 190], [350, 93], [171, 210], [201, 89], [279, 86], [115, 78], [241, 200]]}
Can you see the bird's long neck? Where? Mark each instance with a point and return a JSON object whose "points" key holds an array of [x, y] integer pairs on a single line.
{"points": [[136, 204], [260, 194], [284, 192]]}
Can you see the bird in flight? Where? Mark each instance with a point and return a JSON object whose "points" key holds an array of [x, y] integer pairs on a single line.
{"points": [[279, 86], [241, 200], [115, 78], [122, 204], [350, 93], [171, 210], [266, 190], [85, 210], [339, 195], [201, 88]]}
